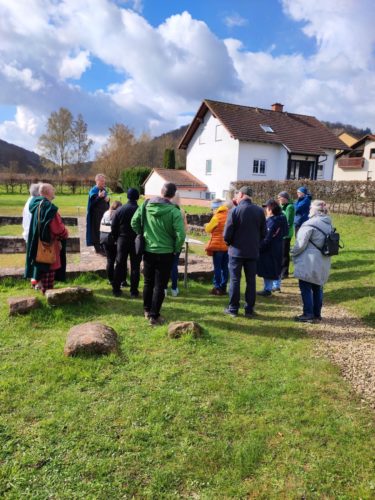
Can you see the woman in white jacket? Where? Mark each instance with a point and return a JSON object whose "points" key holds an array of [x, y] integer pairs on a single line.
{"points": [[311, 267]]}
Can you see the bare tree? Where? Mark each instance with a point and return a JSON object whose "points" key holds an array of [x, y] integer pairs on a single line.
{"points": [[65, 141], [116, 154]]}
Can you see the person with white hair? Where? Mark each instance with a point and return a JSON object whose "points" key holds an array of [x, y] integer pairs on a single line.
{"points": [[98, 204], [311, 267], [26, 215]]}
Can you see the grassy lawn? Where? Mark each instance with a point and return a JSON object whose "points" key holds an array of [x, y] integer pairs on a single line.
{"points": [[73, 205], [248, 411]]}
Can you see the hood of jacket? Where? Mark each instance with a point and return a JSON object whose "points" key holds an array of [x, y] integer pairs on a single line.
{"points": [[158, 206]]}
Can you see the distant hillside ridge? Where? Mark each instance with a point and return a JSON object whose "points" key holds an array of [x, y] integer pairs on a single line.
{"points": [[339, 128], [19, 160]]}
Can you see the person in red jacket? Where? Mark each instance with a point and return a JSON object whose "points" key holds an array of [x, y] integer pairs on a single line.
{"points": [[217, 246]]}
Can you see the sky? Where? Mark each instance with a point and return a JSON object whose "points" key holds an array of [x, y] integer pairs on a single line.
{"points": [[150, 63]]}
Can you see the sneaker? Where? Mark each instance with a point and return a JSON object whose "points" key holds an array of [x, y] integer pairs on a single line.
{"points": [[234, 314], [264, 293], [117, 293], [251, 314], [304, 318], [175, 292], [156, 321], [276, 289]]}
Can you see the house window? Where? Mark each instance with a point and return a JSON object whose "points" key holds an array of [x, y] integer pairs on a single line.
{"points": [[210, 195], [267, 128], [372, 154], [208, 167], [320, 171], [259, 167], [219, 133]]}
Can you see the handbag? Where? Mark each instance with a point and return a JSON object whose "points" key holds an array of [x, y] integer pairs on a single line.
{"points": [[139, 242], [46, 251]]}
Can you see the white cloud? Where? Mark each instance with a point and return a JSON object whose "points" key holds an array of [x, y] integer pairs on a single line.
{"points": [[167, 70], [74, 67], [235, 20]]}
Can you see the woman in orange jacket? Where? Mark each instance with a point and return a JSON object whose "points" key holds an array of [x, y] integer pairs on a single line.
{"points": [[217, 246]]}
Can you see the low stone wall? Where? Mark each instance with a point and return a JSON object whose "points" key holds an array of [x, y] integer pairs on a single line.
{"points": [[11, 244], [198, 219], [10, 220]]}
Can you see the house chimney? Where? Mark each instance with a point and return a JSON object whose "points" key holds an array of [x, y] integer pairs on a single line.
{"points": [[277, 107]]}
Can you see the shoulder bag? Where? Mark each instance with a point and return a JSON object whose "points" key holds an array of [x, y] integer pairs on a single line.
{"points": [[46, 251]]}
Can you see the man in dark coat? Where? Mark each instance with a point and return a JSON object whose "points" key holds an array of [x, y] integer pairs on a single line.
{"points": [[98, 203], [244, 230], [124, 236]]}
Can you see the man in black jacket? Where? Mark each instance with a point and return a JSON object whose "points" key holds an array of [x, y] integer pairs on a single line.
{"points": [[124, 235], [244, 230]]}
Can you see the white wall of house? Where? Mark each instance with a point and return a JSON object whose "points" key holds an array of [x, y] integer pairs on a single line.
{"points": [[326, 166], [154, 184], [256, 156], [367, 172], [212, 142]]}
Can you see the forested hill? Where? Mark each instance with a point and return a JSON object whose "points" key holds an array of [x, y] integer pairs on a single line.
{"points": [[338, 128], [18, 159]]}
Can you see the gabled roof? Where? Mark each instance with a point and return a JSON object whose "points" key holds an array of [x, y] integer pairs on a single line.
{"points": [[300, 134], [356, 145], [181, 178]]}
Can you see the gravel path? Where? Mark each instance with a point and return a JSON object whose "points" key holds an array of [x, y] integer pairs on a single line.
{"points": [[346, 341]]}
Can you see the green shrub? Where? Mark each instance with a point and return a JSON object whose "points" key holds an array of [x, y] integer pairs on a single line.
{"points": [[134, 178]]}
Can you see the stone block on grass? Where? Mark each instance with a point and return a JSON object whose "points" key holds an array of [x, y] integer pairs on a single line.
{"points": [[179, 328], [91, 338], [67, 295], [22, 305]]}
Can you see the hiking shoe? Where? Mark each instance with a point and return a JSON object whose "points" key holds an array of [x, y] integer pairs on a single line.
{"points": [[264, 293], [318, 318], [234, 314], [304, 318], [175, 292], [117, 293], [251, 314], [156, 321]]}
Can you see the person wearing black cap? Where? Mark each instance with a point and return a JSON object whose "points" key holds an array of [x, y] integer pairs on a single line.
{"points": [[245, 228], [164, 234], [124, 235]]}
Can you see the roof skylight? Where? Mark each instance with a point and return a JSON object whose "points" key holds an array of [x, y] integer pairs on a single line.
{"points": [[267, 128]]}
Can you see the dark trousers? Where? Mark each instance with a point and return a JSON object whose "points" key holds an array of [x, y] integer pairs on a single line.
{"points": [[221, 272], [125, 248], [312, 298], [235, 268], [174, 272], [286, 258], [156, 269], [110, 253]]}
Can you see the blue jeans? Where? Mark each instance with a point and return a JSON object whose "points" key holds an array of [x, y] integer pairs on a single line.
{"points": [[174, 272], [268, 284], [221, 272], [276, 283], [312, 298], [235, 268]]}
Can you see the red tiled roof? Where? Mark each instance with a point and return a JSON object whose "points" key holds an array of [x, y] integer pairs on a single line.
{"points": [[300, 134], [181, 178]]}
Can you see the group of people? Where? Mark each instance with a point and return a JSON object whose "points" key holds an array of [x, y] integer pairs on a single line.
{"points": [[244, 236], [258, 241]]}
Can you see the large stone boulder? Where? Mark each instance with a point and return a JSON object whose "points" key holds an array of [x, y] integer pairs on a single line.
{"points": [[179, 328], [67, 295], [22, 305], [91, 338]]}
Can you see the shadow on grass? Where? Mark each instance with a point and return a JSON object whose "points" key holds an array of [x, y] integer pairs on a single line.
{"points": [[350, 293], [347, 275]]}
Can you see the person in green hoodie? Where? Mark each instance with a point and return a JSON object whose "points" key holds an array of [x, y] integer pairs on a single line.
{"points": [[164, 233], [288, 210]]}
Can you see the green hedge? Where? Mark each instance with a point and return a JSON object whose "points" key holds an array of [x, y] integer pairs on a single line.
{"points": [[134, 178]]}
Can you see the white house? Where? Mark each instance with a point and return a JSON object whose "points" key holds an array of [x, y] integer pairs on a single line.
{"points": [[359, 163], [189, 187], [228, 142]]}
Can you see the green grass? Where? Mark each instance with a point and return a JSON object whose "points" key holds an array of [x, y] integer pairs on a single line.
{"points": [[246, 411], [16, 230]]}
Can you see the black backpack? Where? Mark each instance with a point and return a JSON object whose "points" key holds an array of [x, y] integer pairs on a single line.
{"points": [[331, 245]]}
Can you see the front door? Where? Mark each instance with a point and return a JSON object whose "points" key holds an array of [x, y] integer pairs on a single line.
{"points": [[301, 169]]}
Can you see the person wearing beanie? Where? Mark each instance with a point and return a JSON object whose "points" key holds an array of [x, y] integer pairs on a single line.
{"points": [[287, 208], [164, 233], [124, 237], [301, 207], [217, 248]]}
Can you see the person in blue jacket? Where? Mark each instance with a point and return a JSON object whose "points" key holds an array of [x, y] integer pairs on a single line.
{"points": [[302, 207], [271, 247]]}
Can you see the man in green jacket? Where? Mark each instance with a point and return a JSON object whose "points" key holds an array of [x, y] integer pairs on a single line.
{"points": [[164, 233], [288, 210]]}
